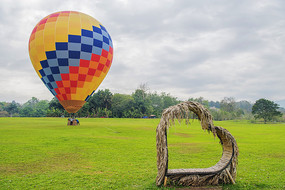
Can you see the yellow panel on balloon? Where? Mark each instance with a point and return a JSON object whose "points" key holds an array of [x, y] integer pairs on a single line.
{"points": [[49, 36], [85, 22], [61, 32], [74, 24]]}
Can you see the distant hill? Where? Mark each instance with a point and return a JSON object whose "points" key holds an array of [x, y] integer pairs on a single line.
{"points": [[282, 110], [281, 103]]}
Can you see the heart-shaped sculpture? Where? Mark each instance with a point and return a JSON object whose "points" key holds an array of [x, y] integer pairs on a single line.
{"points": [[72, 53], [223, 172]]}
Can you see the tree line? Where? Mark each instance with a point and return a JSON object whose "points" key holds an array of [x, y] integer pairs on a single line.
{"points": [[139, 104]]}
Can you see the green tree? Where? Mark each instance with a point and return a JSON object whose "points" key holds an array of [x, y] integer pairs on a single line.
{"points": [[228, 104], [34, 108], [101, 99], [3, 105], [156, 103], [168, 100], [101, 102], [32, 102], [84, 111], [142, 103], [122, 105], [4, 114], [41, 108], [52, 112], [12, 108], [26, 112], [215, 104], [220, 115], [265, 109], [54, 104], [244, 105], [55, 109]]}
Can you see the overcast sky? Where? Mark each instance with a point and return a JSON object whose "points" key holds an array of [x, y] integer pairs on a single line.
{"points": [[213, 49]]}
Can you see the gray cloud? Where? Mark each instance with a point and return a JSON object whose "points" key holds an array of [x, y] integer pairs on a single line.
{"points": [[187, 48]]}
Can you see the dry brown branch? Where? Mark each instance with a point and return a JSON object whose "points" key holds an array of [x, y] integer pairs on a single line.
{"points": [[214, 175]]}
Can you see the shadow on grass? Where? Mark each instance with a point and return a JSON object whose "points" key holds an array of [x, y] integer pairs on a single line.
{"points": [[238, 186], [152, 185], [242, 186]]}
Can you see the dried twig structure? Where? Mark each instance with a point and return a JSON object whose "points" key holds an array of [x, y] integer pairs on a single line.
{"points": [[222, 173]]}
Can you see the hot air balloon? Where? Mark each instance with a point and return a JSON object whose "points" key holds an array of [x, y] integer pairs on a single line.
{"points": [[71, 53]]}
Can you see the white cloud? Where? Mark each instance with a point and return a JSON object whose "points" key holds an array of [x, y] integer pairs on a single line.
{"points": [[186, 48]]}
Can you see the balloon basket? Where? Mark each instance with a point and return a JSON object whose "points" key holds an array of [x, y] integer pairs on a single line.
{"points": [[72, 120]]}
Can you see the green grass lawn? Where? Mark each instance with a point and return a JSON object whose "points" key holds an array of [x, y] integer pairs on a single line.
{"points": [[44, 153]]}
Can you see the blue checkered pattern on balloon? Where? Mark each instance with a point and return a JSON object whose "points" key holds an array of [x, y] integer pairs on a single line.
{"points": [[69, 54]]}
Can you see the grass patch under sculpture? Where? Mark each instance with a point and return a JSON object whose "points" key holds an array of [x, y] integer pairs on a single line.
{"points": [[224, 172]]}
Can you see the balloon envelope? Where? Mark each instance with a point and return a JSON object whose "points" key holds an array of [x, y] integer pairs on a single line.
{"points": [[71, 53]]}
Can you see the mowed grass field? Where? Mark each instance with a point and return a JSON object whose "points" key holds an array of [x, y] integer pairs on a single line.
{"points": [[45, 153]]}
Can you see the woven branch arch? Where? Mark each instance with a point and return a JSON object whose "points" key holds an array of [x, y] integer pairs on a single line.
{"points": [[223, 172]]}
